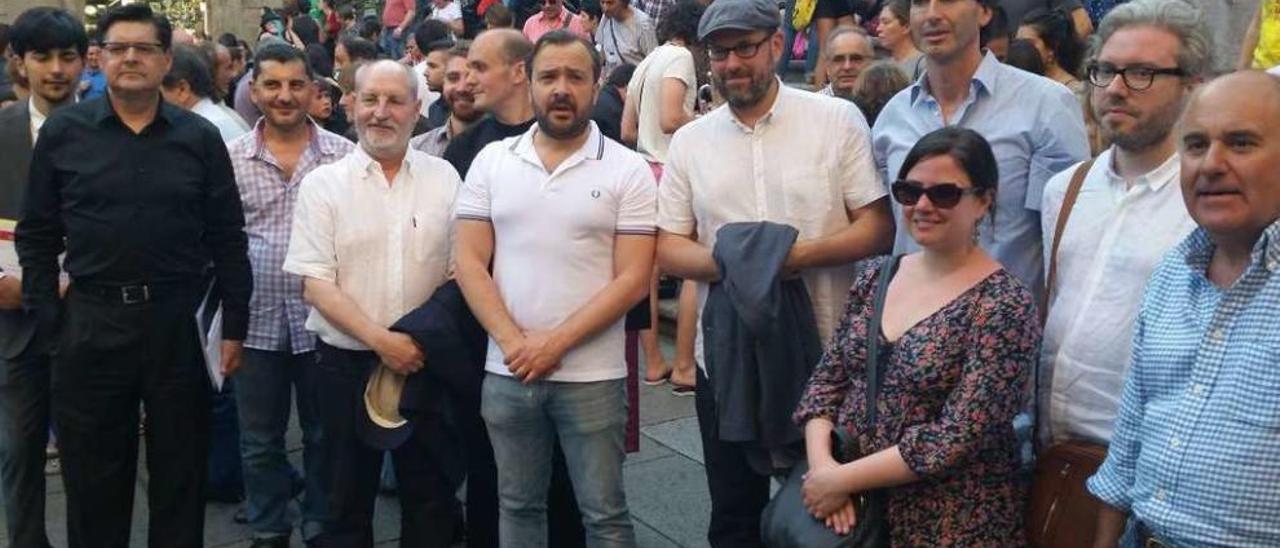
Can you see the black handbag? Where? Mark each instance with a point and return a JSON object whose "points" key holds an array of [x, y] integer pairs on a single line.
{"points": [[785, 523]]}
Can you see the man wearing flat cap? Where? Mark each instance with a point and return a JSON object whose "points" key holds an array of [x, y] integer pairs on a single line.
{"points": [[827, 190]]}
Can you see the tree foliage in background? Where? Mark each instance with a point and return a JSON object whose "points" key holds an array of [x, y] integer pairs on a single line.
{"points": [[182, 13]]}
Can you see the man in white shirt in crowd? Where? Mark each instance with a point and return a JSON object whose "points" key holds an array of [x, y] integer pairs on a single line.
{"points": [[371, 239], [189, 84], [1149, 56], [625, 34], [448, 12], [566, 216], [459, 96], [782, 155], [848, 51]]}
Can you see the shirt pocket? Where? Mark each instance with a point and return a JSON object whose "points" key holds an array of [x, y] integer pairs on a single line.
{"points": [[1252, 382], [807, 200]]}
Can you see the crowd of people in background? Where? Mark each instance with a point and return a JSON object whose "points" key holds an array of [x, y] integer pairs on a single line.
{"points": [[973, 232]]}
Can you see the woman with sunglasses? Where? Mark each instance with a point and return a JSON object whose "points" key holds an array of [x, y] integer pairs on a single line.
{"points": [[958, 337]]}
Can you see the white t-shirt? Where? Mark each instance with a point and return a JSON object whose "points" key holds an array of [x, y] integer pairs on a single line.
{"points": [[229, 127], [554, 236], [668, 61], [448, 13]]}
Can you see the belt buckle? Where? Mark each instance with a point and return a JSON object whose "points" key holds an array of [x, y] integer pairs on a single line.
{"points": [[135, 294]]}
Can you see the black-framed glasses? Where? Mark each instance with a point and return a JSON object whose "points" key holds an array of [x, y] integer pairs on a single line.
{"points": [[743, 51], [943, 195], [121, 48], [1136, 78]]}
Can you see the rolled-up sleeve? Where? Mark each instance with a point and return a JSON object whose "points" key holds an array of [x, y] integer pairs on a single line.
{"points": [[312, 245], [1005, 339], [675, 198], [860, 182]]}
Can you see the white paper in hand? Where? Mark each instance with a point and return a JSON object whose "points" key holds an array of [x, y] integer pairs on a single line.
{"points": [[210, 331]]}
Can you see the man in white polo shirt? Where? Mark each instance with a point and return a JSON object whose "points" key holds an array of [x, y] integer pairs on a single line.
{"points": [[567, 217], [371, 239], [781, 155]]}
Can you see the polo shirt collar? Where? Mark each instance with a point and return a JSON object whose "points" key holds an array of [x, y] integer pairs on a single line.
{"points": [[592, 148], [984, 79], [1155, 179]]}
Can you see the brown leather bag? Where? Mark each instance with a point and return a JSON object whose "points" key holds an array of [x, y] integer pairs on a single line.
{"points": [[1062, 513]]}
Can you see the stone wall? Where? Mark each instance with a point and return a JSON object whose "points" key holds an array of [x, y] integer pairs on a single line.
{"points": [[240, 17], [9, 9]]}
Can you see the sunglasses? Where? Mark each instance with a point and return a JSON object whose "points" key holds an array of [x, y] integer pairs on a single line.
{"points": [[943, 195]]}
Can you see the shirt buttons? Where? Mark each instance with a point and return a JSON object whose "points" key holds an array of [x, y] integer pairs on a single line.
{"points": [[1217, 334], [1197, 389], [1160, 495], [1175, 443]]}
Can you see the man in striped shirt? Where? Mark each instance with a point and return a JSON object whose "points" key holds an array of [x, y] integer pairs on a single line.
{"points": [[270, 163], [1195, 458]]}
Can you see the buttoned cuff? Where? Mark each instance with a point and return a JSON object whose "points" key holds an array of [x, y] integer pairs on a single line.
{"points": [[1110, 488]]}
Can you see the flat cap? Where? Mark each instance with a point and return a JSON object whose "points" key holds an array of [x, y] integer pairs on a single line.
{"points": [[739, 15]]}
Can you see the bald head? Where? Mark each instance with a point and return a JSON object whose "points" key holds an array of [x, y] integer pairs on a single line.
{"points": [[1229, 146], [511, 44], [181, 36]]}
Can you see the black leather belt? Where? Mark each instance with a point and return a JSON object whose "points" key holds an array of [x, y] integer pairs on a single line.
{"points": [[134, 294]]}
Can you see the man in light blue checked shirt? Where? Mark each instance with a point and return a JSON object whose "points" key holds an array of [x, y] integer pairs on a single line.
{"points": [[1195, 458]]}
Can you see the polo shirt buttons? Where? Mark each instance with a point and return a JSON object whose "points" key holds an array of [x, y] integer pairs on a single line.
{"points": [[1160, 495], [1217, 334], [1175, 443]]}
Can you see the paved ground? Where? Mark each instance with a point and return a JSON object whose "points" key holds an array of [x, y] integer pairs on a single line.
{"points": [[666, 488]]}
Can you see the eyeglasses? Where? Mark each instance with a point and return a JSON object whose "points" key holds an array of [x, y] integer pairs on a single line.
{"points": [[943, 195], [1137, 78], [743, 51], [122, 48]]}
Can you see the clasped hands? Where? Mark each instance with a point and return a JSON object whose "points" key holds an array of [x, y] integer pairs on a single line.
{"points": [[824, 498], [533, 355]]}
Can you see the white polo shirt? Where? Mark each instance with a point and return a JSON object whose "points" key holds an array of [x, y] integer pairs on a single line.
{"points": [[554, 237], [387, 246], [806, 164]]}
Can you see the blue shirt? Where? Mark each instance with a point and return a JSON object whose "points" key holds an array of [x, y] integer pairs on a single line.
{"points": [[1036, 129], [97, 84], [1196, 451]]}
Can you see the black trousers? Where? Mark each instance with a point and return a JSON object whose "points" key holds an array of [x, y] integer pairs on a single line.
{"points": [[738, 493], [24, 433], [110, 358], [429, 511]]}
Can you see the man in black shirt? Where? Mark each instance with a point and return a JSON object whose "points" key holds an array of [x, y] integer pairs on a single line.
{"points": [[144, 197], [613, 94], [497, 73]]}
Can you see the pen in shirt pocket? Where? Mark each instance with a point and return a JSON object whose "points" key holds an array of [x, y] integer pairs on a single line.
{"points": [[414, 220]]}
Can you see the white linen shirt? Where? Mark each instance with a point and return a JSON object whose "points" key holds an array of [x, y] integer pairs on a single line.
{"points": [[387, 246], [554, 238], [806, 164], [1117, 233]]}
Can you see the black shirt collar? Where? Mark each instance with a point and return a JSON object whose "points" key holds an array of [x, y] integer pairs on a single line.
{"points": [[106, 111]]}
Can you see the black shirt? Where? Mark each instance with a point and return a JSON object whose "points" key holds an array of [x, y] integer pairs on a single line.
{"points": [[157, 207], [608, 113], [464, 148], [437, 113]]}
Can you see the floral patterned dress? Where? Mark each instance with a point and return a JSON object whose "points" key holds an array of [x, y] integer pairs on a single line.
{"points": [[950, 388]]}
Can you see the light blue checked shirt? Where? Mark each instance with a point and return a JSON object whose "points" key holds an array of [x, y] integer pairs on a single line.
{"points": [[1035, 128], [1196, 451], [276, 309]]}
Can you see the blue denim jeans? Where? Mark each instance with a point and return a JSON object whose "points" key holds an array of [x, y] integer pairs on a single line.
{"points": [[391, 46], [263, 386], [524, 422]]}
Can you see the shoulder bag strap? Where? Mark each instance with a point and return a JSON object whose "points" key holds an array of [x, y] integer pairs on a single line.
{"points": [[1064, 213], [887, 271]]}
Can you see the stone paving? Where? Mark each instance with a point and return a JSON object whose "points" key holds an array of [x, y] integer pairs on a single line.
{"points": [[666, 488]]}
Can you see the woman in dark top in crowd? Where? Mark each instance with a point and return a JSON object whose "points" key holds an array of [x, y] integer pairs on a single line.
{"points": [[959, 336], [1054, 35]]}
